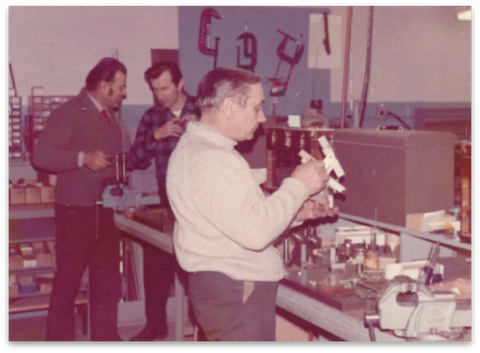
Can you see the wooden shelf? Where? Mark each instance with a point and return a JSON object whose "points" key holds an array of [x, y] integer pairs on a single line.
{"points": [[25, 211], [39, 269], [38, 301], [27, 230]]}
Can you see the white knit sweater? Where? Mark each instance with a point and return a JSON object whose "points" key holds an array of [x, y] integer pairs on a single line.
{"points": [[225, 223]]}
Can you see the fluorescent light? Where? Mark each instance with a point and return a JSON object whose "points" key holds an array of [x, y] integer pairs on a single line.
{"points": [[464, 13]]}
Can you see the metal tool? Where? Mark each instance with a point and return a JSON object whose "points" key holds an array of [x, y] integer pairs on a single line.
{"points": [[331, 164], [204, 34], [279, 86], [427, 272], [249, 50], [118, 195], [326, 40], [412, 311]]}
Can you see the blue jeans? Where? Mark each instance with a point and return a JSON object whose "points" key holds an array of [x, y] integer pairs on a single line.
{"points": [[231, 310]]}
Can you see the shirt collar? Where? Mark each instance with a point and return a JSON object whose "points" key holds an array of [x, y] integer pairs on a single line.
{"points": [[190, 100], [204, 130], [99, 106]]}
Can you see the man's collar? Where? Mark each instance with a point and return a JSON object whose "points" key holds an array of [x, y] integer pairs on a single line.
{"points": [[199, 128], [99, 106]]}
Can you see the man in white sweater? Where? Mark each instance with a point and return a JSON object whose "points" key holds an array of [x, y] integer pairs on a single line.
{"points": [[225, 225]]}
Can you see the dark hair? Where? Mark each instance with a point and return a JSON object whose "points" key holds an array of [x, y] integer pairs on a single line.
{"points": [[160, 67], [105, 70], [225, 82]]}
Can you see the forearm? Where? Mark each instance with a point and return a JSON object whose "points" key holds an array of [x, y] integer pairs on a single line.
{"points": [[143, 148], [53, 158], [52, 152]]}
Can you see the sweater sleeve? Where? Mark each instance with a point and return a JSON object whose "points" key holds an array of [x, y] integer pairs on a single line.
{"points": [[230, 200], [52, 152]]}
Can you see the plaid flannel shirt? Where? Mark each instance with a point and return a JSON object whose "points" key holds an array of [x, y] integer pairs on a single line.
{"points": [[146, 147]]}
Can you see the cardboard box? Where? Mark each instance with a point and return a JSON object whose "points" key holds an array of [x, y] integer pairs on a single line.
{"points": [[15, 262], [12, 278], [13, 289], [52, 179], [29, 261], [309, 112], [17, 196], [33, 195], [428, 221], [51, 249], [25, 279], [44, 259], [28, 255], [47, 194], [45, 282]]}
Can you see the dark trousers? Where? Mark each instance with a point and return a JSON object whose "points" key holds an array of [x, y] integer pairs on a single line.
{"points": [[78, 245], [230, 310], [158, 275]]}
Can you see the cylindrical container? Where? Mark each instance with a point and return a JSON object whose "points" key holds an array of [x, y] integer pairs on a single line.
{"points": [[371, 260], [357, 253]]}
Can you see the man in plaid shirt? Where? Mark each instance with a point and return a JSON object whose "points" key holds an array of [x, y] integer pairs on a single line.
{"points": [[157, 135]]}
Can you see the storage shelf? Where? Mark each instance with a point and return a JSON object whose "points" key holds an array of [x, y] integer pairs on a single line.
{"points": [[31, 223], [39, 269], [27, 211], [425, 236], [38, 301], [26, 230]]}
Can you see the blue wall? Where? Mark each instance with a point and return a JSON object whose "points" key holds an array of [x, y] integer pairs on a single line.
{"points": [[305, 84], [263, 22]]}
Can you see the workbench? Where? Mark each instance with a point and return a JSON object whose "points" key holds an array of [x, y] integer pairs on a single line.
{"points": [[345, 325], [163, 241]]}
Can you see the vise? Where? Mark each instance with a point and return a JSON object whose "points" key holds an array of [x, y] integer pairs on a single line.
{"points": [[119, 196], [411, 310]]}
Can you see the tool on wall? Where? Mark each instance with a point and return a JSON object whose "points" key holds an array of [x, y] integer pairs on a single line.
{"points": [[249, 50], [204, 44], [279, 85], [326, 41]]}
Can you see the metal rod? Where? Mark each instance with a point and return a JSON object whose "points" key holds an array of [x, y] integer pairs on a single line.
{"points": [[124, 168], [346, 65], [117, 173]]}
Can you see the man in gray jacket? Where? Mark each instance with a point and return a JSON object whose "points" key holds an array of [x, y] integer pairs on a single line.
{"points": [[77, 144]]}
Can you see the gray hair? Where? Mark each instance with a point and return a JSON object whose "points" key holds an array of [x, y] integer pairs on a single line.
{"points": [[225, 82]]}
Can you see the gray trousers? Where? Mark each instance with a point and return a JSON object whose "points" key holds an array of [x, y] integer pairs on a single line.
{"points": [[230, 310]]}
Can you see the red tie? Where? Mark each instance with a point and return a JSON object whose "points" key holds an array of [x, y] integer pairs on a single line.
{"points": [[105, 115]]}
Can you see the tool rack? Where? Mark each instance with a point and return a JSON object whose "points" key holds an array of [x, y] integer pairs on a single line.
{"points": [[15, 130]]}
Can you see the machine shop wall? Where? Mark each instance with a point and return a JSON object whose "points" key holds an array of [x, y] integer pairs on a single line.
{"points": [[55, 46], [421, 55]]}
